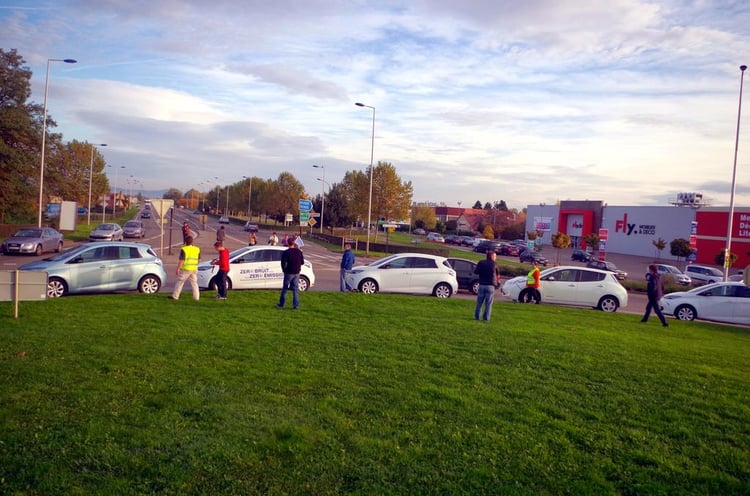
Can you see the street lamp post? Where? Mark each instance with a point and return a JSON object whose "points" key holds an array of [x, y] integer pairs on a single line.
{"points": [[114, 195], [91, 175], [44, 136], [249, 196], [372, 151], [322, 195], [727, 260]]}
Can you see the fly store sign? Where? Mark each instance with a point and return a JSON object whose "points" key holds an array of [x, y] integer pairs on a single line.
{"points": [[633, 228]]}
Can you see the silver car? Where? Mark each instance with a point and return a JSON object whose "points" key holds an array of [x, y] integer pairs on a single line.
{"points": [[107, 232], [102, 268], [134, 229], [33, 241]]}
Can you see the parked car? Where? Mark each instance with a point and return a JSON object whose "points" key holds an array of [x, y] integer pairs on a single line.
{"points": [[465, 275], [107, 232], [254, 267], [414, 273], [223, 219], [520, 244], [33, 241], [581, 256], [250, 227], [486, 245], [667, 271], [419, 231], [103, 267], [608, 266], [467, 240], [134, 229], [435, 237], [701, 274], [531, 256], [508, 250], [146, 214], [721, 301], [452, 239], [568, 285]]}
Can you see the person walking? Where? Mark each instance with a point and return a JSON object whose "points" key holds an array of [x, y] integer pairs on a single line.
{"points": [[532, 283], [252, 240], [187, 270], [221, 276], [488, 280], [221, 234], [291, 264], [347, 262], [185, 232], [655, 291]]}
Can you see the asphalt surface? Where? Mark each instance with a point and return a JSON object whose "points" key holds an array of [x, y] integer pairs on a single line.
{"points": [[325, 263]]}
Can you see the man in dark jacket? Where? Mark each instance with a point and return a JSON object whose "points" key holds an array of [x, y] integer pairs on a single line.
{"points": [[488, 281], [291, 264], [655, 291]]}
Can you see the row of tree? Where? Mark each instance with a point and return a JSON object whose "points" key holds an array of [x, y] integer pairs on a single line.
{"points": [[67, 165]]}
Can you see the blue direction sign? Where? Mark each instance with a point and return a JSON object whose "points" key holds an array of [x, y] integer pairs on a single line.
{"points": [[305, 205]]}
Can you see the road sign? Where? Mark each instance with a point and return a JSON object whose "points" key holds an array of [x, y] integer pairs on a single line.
{"points": [[311, 222], [314, 214], [305, 205]]}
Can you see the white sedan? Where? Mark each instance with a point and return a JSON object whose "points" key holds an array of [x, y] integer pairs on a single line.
{"points": [[569, 285], [412, 273], [254, 267], [720, 301]]}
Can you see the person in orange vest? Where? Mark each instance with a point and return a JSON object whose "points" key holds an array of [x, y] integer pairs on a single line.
{"points": [[532, 283]]}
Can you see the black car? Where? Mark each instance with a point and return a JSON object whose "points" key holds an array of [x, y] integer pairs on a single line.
{"points": [[487, 245], [531, 256], [465, 275], [581, 256], [146, 214]]}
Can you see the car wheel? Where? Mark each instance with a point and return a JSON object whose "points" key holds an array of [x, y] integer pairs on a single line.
{"points": [[39, 250], [526, 296], [304, 283], [685, 312], [368, 286], [56, 288], [475, 287], [608, 304], [442, 290], [149, 284], [59, 247]]}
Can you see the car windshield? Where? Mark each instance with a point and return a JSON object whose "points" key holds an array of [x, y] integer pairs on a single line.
{"points": [[65, 254], [105, 227], [132, 224], [28, 233], [381, 261], [672, 269]]}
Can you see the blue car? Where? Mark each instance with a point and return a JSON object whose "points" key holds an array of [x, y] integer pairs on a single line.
{"points": [[102, 267]]}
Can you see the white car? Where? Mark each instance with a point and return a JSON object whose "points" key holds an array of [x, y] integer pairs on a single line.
{"points": [[721, 301], [701, 274], [435, 237], [572, 285], [413, 273], [254, 267]]}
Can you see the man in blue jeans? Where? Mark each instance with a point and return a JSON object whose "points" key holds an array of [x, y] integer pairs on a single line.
{"points": [[291, 264], [347, 262], [488, 281]]}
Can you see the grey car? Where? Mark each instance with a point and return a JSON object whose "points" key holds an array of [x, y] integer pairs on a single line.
{"points": [[134, 229], [103, 267], [107, 232], [33, 241]]}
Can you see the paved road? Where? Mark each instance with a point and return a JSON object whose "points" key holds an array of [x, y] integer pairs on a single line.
{"points": [[325, 262]]}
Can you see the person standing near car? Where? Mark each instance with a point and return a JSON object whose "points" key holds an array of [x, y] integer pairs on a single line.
{"points": [[221, 276], [187, 270], [291, 264], [347, 262], [532, 282], [488, 280], [252, 240], [221, 234], [655, 291]]}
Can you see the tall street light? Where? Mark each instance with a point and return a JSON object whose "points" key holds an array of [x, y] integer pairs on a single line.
{"points": [[372, 150], [249, 196], [727, 260], [91, 175], [114, 195], [44, 136], [322, 195]]}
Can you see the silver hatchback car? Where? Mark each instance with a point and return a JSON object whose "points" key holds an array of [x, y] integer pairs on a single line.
{"points": [[102, 267]]}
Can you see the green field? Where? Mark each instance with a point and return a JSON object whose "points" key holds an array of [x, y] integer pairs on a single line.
{"points": [[380, 394]]}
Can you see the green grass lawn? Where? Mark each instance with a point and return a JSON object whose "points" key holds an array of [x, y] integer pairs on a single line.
{"points": [[381, 394]]}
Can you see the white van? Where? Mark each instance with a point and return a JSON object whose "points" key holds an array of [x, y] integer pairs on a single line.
{"points": [[700, 274]]}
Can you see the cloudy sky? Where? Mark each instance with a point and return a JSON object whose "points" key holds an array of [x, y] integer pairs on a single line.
{"points": [[535, 101]]}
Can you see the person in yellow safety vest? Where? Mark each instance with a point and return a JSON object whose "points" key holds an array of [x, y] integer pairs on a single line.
{"points": [[532, 283], [187, 270]]}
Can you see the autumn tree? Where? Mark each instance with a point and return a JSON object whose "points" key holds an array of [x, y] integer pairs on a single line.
{"points": [[424, 217], [560, 241], [659, 244], [172, 194], [680, 247]]}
